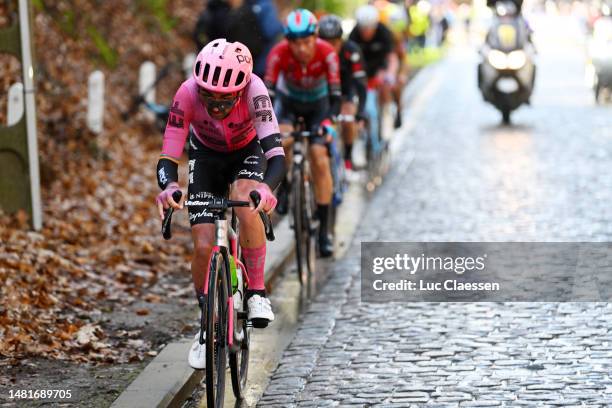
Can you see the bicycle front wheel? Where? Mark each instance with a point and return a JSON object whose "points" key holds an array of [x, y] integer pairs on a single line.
{"points": [[298, 225], [239, 360], [216, 324]]}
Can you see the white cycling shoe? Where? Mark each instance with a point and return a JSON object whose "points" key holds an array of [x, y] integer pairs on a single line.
{"points": [[197, 354], [260, 311]]}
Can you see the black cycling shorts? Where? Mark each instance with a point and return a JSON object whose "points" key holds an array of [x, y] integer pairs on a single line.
{"points": [[313, 113], [211, 173]]}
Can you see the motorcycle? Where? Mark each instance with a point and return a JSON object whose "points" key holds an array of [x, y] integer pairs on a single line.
{"points": [[506, 75], [600, 55]]}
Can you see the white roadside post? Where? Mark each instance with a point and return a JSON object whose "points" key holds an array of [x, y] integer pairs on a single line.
{"points": [[188, 62], [30, 111], [14, 108], [95, 102], [146, 79]]}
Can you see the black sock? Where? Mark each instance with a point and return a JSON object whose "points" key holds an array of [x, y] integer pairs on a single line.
{"points": [[323, 216], [348, 151]]}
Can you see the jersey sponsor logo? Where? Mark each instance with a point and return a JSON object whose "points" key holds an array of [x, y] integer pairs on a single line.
{"points": [[264, 114], [262, 101], [238, 126], [251, 159], [251, 174], [332, 62], [175, 118], [200, 195]]}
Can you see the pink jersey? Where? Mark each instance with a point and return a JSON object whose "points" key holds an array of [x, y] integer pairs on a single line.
{"points": [[252, 116]]}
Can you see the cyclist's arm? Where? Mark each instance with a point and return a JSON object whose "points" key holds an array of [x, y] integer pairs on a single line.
{"points": [[360, 81], [392, 62], [175, 135], [333, 82], [266, 125]]}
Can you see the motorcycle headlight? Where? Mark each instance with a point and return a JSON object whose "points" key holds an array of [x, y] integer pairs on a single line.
{"points": [[517, 59], [497, 59]]}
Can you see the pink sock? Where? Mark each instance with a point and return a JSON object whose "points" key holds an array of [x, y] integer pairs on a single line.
{"points": [[254, 259]]}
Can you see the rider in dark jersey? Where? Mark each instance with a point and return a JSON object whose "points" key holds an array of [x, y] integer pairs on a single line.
{"points": [[377, 44], [353, 80]]}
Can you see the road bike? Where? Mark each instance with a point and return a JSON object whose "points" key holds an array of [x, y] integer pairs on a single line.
{"points": [[302, 203], [223, 311]]}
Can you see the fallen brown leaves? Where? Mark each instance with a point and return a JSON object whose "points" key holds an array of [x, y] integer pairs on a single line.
{"points": [[100, 243]]}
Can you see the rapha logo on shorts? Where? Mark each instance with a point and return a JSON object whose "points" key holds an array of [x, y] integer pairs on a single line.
{"points": [[203, 213], [251, 160], [250, 174]]}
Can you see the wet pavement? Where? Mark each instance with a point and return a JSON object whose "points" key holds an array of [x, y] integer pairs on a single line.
{"points": [[461, 176]]}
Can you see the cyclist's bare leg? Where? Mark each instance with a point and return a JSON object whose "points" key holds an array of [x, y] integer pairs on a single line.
{"points": [[203, 240], [251, 228], [385, 94], [349, 129], [252, 237], [287, 142], [321, 174]]}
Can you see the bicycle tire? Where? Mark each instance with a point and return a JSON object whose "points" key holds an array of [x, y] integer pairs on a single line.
{"points": [[216, 323], [309, 232], [298, 223], [239, 360]]}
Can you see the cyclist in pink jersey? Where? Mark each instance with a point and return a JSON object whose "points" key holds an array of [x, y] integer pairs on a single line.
{"points": [[235, 148]]}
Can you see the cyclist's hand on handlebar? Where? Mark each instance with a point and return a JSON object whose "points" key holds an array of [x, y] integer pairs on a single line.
{"points": [[362, 119], [326, 129], [164, 199], [267, 201]]}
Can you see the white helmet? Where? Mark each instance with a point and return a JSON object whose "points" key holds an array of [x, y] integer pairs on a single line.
{"points": [[367, 16]]}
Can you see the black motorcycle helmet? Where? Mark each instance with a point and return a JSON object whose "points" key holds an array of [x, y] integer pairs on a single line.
{"points": [[330, 27]]}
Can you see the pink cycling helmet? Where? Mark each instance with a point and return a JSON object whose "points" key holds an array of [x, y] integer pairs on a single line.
{"points": [[223, 66]]}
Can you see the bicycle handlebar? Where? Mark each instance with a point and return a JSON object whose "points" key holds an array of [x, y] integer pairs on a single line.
{"points": [[265, 218], [216, 205], [166, 223]]}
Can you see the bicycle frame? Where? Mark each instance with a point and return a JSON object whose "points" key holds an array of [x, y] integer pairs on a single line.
{"points": [[373, 109], [226, 243]]}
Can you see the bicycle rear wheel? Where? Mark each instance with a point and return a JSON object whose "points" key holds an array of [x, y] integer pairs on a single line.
{"points": [[239, 360], [216, 324]]}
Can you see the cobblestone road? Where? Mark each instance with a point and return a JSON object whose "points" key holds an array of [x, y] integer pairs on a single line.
{"points": [[545, 179]]}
